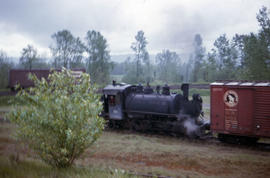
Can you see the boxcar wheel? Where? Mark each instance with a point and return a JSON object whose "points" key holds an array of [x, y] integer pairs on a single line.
{"points": [[237, 139], [248, 140]]}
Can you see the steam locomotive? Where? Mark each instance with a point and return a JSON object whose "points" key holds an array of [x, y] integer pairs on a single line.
{"points": [[143, 109]]}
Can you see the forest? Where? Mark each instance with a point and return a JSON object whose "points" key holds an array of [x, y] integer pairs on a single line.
{"points": [[243, 57]]}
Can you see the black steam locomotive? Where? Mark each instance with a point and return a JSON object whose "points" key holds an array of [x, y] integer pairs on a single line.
{"points": [[143, 109]]}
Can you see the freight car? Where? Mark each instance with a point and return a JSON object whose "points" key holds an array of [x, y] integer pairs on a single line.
{"points": [[20, 76], [142, 108], [240, 111]]}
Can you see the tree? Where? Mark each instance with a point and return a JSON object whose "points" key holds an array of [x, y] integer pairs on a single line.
{"points": [[29, 56], [244, 57], [41, 63], [255, 59], [5, 66], [211, 67], [98, 61], [198, 57], [264, 22], [264, 38], [168, 66], [130, 70], [60, 118], [254, 50], [226, 57], [188, 69], [141, 55], [118, 68], [67, 50]]}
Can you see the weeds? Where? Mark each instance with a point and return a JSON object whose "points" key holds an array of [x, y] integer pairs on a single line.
{"points": [[35, 168], [6, 100], [202, 92]]}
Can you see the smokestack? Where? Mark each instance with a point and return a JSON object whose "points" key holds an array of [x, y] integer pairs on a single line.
{"points": [[185, 88]]}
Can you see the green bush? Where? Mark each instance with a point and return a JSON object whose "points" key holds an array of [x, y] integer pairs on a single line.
{"points": [[59, 119]]}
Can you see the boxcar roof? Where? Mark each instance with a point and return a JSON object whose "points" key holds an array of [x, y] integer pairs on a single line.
{"points": [[243, 83]]}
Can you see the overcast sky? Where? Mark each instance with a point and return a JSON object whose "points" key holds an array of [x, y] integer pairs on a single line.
{"points": [[168, 24]]}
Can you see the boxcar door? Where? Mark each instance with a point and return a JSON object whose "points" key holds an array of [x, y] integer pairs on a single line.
{"points": [[246, 110], [217, 108]]}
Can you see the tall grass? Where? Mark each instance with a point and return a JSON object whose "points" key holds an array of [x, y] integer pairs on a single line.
{"points": [[4, 89], [6, 100], [202, 92], [34, 168]]}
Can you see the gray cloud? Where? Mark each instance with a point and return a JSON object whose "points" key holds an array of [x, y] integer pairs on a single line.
{"points": [[40, 19], [210, 19], [167, 25]]}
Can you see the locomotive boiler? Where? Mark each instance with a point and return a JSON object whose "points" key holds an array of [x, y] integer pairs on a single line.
{"points": [[142, 108]]}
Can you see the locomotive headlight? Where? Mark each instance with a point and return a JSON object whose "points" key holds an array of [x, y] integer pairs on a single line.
{"points": [[258, 126]]}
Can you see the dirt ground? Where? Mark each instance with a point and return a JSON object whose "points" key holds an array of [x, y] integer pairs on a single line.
{"points": [[159, 155], [177, 157]]}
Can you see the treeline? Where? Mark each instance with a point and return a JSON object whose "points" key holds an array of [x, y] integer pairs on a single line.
{"points": [[67, 51], [244, 57]]}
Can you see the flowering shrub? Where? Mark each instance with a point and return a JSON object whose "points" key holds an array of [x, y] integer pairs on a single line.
{"points": [[59, 119]]}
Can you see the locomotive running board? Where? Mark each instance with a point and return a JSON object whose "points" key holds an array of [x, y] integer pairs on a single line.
{"points": [[150, 113]]}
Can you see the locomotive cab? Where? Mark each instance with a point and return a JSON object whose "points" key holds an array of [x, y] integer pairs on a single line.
{"points": [[113, 100]]}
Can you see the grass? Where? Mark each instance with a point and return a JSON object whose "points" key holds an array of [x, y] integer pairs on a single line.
{"points": [[173, 157], [17, 160], [117, 152], [6, 100], [4, 89], [4, 110], [202, 92], [161, 83], [35, 168], [5, 105]]}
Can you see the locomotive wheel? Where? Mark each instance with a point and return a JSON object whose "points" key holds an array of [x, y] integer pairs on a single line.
{"points": [[139, 125], [128, 124], [136, 125], [248, 140], [115, 124], [229, 138], [221, 137], [109, 124]]}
